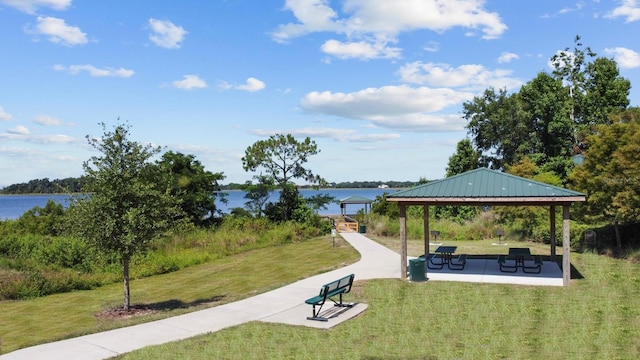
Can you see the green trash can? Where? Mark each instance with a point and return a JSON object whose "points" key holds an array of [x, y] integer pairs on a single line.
{"points": [[363, 229], [417, 269]]}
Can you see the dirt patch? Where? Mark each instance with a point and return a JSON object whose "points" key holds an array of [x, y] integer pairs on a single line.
{"points": [[121, 313]]}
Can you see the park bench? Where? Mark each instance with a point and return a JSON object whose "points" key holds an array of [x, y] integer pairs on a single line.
{"points": [[328, 291]]}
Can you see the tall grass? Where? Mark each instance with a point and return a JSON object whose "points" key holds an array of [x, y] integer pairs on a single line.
{"points": [[34, 265]]}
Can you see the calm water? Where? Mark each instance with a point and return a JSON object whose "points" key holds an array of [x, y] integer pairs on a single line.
{"points": [[13, 206]]}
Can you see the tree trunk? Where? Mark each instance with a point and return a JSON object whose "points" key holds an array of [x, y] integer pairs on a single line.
{"points": [[125, 275], [617, 230]]}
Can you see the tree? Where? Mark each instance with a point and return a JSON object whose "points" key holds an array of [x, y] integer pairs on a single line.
{"points": [[466, 158], [610, 173], [596, 88], [129, 202], [498, 126], [195, 187], [283, 158], [549, 118], [258, 194]]}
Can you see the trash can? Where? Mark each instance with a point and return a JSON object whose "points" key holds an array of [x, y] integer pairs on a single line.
{"points": [[363, 229], [417, 269]]}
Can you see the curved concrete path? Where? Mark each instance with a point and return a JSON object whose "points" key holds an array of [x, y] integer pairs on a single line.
{"points": [[283, 305]]}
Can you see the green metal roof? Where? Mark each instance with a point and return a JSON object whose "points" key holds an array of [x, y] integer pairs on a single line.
{"points": [[356, 200], [488, 186]]}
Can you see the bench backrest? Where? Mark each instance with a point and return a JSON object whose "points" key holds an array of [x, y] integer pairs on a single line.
{"points": [[343, 283]]}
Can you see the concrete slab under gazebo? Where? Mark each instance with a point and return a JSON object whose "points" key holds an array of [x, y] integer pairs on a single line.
{"points": [[485, 187], [355, 200]]}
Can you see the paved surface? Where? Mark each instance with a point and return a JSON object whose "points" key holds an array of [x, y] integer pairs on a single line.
{"points": [[283, 305]]}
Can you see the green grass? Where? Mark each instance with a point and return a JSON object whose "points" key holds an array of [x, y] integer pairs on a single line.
{"points": [[29, 322], [597, 317]]}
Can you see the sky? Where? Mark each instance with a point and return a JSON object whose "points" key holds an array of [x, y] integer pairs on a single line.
{"points": [[379, 85]]}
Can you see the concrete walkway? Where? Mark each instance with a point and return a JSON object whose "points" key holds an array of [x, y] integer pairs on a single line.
{"points": [[283, 305]]}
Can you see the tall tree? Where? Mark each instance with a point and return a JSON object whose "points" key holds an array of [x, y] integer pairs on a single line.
{"points": [[129, 203], [283, 158], [595, 88], [548, 119], [610, 174], [498, 127], [195, 187]]}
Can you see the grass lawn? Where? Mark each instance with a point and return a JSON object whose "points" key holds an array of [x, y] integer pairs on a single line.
{"points": [[597, 317], [29, 322]]}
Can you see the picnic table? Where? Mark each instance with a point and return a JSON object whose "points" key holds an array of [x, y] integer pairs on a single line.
{"points": [[519, 256], [445, 254]]}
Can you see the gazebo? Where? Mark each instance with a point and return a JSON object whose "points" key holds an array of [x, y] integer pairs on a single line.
{"points": [[485, 187], [360, 200]]}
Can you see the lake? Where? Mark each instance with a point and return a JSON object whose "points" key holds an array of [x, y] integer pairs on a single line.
{"points": [[13, 206]]}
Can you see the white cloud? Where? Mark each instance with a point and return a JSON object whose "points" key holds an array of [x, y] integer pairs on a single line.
{"points": [[359, 50], [19, 130], [166, 34], [399, 107], [506, 57], [369, 25], [5, 115], [626, 58], [467, 77], [189, 82], [47, 120], [94, 71], [59, 32], [23, 134], [630, 9], [252, 85], [31, 6], [342, 135]]}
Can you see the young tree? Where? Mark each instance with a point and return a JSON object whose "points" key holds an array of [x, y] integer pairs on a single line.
{"points": [[258, 194], [196, 188], [129, 202]]}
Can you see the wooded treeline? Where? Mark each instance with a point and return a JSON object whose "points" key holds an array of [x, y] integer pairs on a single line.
{"points": [[76, 185], [46, 186]]}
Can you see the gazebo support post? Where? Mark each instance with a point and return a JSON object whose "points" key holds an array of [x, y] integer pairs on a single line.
{"points": [[427, 240], [403, 241], [566, 246], [552, 222]]}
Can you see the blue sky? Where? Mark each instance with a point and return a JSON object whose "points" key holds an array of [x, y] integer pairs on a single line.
{"points": [[378, 84]]}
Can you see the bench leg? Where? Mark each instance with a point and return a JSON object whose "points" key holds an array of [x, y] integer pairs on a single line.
{"points": [[341, 304], [532, 269], [508, 268], [316, 314]]}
